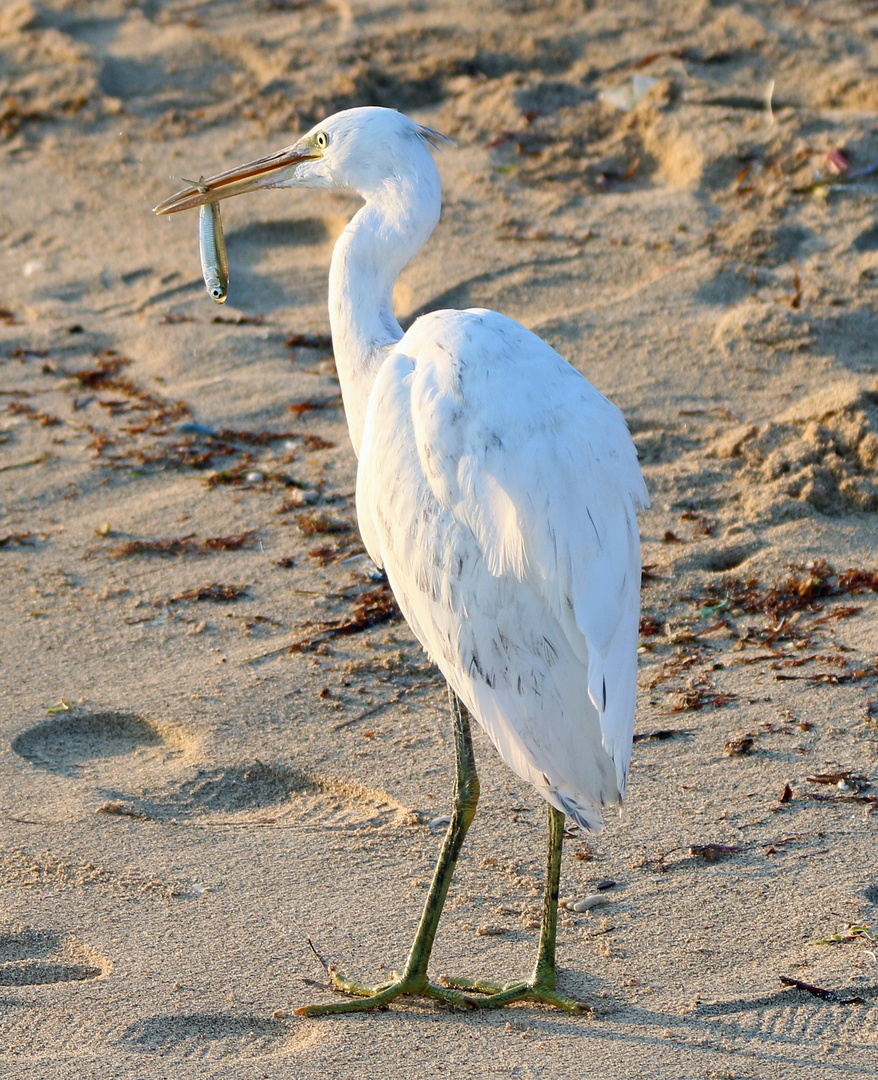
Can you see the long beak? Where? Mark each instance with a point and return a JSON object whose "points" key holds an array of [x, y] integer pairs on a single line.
{"points": [[262, 173]]}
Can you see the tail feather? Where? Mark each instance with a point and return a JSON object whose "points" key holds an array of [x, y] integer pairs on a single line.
{"points": [[584, 814]]}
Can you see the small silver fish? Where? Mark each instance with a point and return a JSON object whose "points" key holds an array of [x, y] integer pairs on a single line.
{"points": [[212, 247]]}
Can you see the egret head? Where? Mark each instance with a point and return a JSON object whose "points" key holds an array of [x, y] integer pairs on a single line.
{"points": [[358, 150]]}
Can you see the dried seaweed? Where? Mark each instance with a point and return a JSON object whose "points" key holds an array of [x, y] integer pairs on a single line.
{"points": [[682, 660], [835, 678], [714, 852], [198, 449], [263, 438], [701, 526], [313, 525], [661, 734], [107, 375], [185, 545], [846, 777], [20, 540], [239, 319], [247, 472], [699, 695], [330, 553], [785, 604], [373, 608], [821, 796], [802, 590], [187, 453], [214, 594], [308, 341], [299, 407], [19, 408], [740, 746]]}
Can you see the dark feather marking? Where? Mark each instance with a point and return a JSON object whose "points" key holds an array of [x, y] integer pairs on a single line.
{"points": [[596, 533]]}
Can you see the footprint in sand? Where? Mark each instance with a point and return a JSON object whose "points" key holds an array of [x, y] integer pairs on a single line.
{"points": [[229, 789], [78, 744], [33, 957], [68, 744], [193, 1030], [791, 1018], [219, 1034], [262, 788]]}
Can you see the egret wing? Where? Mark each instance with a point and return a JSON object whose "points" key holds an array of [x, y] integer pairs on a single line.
{"points": [[514, 486]]}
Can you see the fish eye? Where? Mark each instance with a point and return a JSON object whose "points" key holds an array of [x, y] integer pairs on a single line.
{"points": [[322, 140]]}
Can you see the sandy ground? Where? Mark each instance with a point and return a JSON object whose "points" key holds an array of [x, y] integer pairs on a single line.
{"points": [[216, 739]]}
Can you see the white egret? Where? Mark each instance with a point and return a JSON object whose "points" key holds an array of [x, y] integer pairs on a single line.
{"points": [[499, 490]]}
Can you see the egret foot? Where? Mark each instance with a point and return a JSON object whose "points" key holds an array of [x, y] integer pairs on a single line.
{"points": [[414, 979], [380, 995], [500, 994]]}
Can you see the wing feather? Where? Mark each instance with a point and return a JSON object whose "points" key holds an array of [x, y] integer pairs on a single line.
{"points": [[500, 490]]}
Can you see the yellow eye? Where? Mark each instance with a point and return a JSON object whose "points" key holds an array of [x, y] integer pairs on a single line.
{"points": [[322, 140]]}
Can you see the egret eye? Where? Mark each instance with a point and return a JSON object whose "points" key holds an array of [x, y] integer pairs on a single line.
{"points": [[322, 140]]}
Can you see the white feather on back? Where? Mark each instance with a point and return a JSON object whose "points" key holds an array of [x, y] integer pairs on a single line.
{"points": [[510, 540]]}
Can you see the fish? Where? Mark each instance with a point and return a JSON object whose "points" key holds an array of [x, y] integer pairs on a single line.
{"points": [[212, 247]]}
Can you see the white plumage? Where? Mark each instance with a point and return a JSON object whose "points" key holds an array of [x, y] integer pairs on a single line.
{"points": [[498, 489]]}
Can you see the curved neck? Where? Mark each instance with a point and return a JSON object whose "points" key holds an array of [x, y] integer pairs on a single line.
{"points": [[383, 236]]}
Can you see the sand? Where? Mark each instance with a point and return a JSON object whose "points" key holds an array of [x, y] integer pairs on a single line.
{"points": [[215, 738]]}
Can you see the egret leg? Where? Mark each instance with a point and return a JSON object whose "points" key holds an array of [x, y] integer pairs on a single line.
{"points": [[541, 985], [414, 977]]}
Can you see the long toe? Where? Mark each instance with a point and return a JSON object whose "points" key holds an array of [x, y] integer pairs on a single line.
{"points": [[497, 995], [364, 996]]}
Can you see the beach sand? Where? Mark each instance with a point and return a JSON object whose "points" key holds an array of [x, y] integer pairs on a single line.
{"points": [[217, 739]]}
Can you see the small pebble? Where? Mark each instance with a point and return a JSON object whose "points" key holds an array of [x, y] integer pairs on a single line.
{"points": [[298, 497], [588, 902]]}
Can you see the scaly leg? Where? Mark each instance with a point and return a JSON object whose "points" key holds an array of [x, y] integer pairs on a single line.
{"points": [[414, 978], [541, 985]]}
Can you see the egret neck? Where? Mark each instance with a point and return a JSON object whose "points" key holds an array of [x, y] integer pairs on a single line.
{"points": [[382, 237]]}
